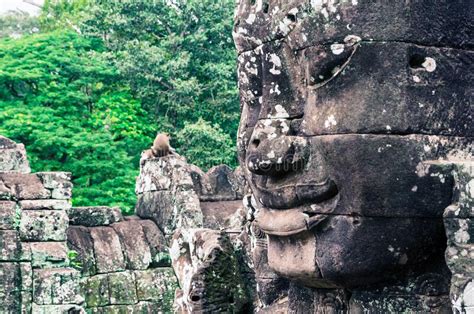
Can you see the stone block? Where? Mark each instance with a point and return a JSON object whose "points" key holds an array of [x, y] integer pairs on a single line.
{"points": [[139, 308], [8, 215], [107, 250], [208, 272], [13, 157], [218, 184], [43, 225], [135, 247], [122, 288], [96, 290], [26, 272], [57, 309], [218, 215], [157, 285], [171, 209], [10, 246], [45, 204], [156, 242], [58, 182], [94, 216], [56, 286], [25, 186], [155, 175], [187, 211], [5, 192], [155, 205], [48, 254], [26, 301], [79, 240], [10, 284], [164, 174]]}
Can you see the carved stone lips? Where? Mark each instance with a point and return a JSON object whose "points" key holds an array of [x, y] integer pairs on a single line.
{"points": [[294, 195], [292, 221]]}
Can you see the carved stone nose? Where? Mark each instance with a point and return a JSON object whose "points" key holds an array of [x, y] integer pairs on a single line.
{"points": [[277, 155]]}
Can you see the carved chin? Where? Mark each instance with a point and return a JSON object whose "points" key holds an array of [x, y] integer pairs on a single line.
{"points": [[295, 257], [292, 243]]}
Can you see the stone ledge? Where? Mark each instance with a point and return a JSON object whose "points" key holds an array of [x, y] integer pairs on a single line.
{"points": [[24, 186], [45, 204], [135, 247], [93, 216]]}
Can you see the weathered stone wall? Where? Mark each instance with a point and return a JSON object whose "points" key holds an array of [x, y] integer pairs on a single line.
{"points": [[35, 275], [123, 262], [56, 258]]}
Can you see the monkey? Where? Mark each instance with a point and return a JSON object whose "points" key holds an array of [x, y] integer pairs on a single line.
{"points": [[161, 145], [160, 148], [146, 154]]}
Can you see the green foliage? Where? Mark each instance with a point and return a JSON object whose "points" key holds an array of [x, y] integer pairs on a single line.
{"points": [[62, 14], [178, 57], [69, 108], [205, 145], [17, 23], [73, 261]]}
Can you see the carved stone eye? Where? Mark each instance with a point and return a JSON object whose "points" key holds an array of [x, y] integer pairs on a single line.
{"points": [[323, 63]]}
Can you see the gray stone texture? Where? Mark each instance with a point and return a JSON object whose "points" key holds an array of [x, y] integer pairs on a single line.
{"points": [[45, 204], [122, 288], [79, 240], [8, 215], [10, 282], [11, 248], [166, 194], [58, 182], [208, 272], [134, 244], [48, 254], [94, 216], [56, 286], [459, 226], [13, 157], [43, 225], [107, 250], [24, 186]]}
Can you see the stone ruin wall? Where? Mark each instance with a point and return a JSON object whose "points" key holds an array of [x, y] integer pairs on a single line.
{"points": [[56, 258]]}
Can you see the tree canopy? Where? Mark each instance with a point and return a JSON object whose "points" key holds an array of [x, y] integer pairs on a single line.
{"points": [[89, 91]]}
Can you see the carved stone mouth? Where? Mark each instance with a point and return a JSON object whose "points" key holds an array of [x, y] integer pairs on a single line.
{"points": [[297, 195], [293, 221]]}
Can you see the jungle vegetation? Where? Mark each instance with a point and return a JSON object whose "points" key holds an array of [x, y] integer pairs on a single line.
{"points": [[88, 83]]}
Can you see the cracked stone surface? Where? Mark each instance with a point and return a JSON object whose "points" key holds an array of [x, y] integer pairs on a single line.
{"points": [[348, 107]]}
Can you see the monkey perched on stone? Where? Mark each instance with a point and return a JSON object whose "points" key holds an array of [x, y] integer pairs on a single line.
{"points": [[161, 147]]}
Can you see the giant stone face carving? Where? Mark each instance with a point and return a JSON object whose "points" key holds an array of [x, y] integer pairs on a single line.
{"points": [[346, 107]]}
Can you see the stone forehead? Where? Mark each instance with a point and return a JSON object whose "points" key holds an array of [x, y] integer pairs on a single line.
{"points": [[309, 22]]}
